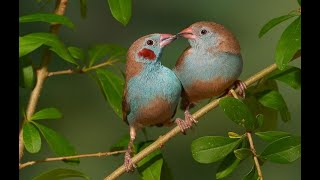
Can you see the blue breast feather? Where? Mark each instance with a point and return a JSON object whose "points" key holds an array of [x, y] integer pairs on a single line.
{"points": [[152, 82], [208, 66]]}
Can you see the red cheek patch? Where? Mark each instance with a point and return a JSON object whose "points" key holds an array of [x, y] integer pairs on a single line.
{"points": [[147, 54]]}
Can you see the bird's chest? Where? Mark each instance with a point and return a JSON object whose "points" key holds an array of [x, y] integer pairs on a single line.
{"points": [[152, 84], [208, 67]]}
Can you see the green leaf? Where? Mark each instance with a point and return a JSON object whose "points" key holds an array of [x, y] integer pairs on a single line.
{"points": [[27, 75], [242, 153], [284, 150], [48, 113], [31, 138], [270, 136], [47, 17], [210, 149], [234, 135], [260, 120], [227, 166], [289, 44], [35, 40], [252, 175], [112, 88], [60, 173], [27, 45], [150, 167], [270, 115], [299, 1], [274, 100], [83, 8], [121, 10], [77, 53], [238, 112], [290, 75], [273, 22], [57, 143], [100, 51]]}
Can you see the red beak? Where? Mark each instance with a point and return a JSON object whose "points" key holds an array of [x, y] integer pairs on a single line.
{"points": [[187, 33], [166, 39]]}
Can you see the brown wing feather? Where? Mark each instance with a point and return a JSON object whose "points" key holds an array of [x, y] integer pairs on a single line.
{"points": [[125, 106]]}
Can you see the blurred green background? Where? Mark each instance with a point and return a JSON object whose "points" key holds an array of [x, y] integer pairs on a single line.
{"points": [[90, 124]]}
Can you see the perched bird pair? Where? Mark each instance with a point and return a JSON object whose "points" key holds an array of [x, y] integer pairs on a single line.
{"points": [[207, 68]]}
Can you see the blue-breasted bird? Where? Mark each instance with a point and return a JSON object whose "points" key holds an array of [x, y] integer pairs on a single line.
{"points": [[209, 66], [152, 91]]}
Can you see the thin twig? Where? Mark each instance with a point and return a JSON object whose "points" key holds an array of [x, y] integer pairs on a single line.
{"points": [[84, 70], [253, 150], [176, 130], [255, 158], [42, 73], [99, 154]]}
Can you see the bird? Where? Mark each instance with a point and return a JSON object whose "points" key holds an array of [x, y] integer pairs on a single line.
{"points": [[151, 91], [208, 67]]}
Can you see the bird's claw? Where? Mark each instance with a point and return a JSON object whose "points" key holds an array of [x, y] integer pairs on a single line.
{"points": [[130, 166], [187, 123], [189, 117], [242, 87]]}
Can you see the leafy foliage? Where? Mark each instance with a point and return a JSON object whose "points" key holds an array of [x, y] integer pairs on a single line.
{"points": [[31, 137], [273, 22], [57, 143], [210, 149], [30, 42], [27, 74], [284, 150], [112, 88], [46, 17], [48, 113], [121, 10], [238, 112], [60, 173], [99, 51], [289, 44]]}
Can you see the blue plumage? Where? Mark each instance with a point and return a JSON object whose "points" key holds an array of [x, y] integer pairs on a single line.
{"points": [[152, 91], [210, 65]]}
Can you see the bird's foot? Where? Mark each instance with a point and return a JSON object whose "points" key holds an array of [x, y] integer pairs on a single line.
{"points": [[242, 87], [183, 124], [187, 123], [130, 166], [189, 117]]}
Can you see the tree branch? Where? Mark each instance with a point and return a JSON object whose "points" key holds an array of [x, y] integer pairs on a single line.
{"points": [[42, 73], [83, 70], [99, 154], [176, 130], [255, 158]]}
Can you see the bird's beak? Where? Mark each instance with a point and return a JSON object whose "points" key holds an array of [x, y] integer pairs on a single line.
{"points": [[166, 39], [187, 33]]}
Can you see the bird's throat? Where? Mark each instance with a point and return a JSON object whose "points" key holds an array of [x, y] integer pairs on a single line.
{"points": [[147, 54]]}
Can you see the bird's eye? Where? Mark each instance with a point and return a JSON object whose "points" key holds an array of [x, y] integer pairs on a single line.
{"points": [[150, 42], [203, 32]]}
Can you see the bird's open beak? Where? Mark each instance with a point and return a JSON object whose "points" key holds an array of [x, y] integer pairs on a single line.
{"points": [[187, 33], [166, 39]]}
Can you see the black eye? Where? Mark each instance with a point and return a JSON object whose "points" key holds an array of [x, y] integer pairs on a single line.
{"points": [[150, 42], [203, 31]]}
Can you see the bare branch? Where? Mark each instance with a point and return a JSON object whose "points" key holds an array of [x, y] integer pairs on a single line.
{"points": [[99, 154], [176, 130], [42, 73]]}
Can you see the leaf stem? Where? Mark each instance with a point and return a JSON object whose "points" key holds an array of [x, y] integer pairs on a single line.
{"points": [[176, 130], [42, 73], [99, 154], [255, 158]]}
